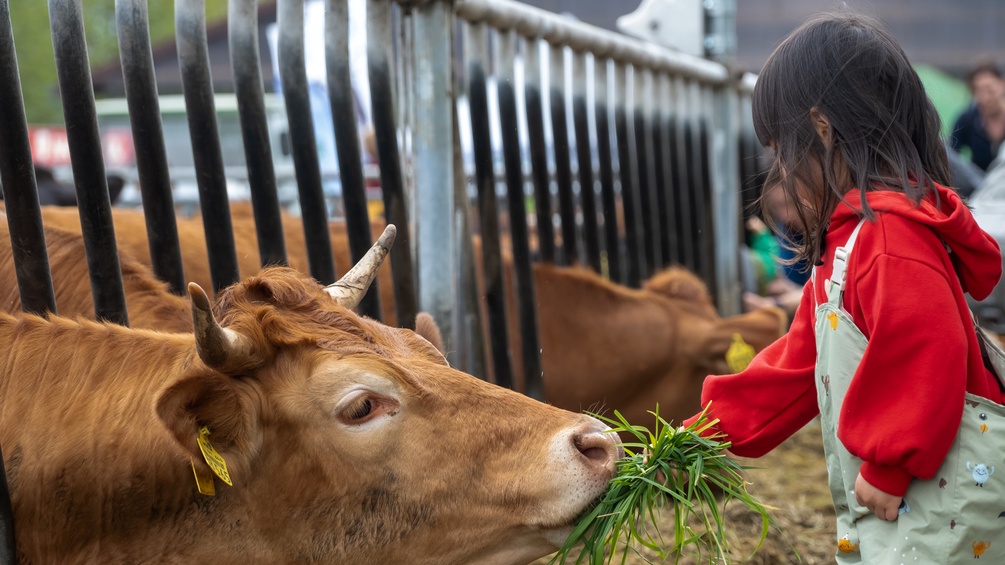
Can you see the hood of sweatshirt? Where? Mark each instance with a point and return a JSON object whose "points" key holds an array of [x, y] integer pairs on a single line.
{"points": [[975, 254]]}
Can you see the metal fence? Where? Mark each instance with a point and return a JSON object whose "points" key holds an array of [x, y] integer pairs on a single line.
{"points": [[627, 152]]}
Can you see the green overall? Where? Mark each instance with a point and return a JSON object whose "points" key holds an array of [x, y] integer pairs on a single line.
{"points": [[955, 517]]}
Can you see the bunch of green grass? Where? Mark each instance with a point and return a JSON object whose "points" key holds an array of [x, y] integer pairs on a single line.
{"points": [[685, 469]]}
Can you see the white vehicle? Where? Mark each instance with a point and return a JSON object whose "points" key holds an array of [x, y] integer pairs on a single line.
{"points": [[113, 115]]}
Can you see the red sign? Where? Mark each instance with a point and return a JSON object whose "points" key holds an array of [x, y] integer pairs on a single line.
{"points": [[49, 147]]}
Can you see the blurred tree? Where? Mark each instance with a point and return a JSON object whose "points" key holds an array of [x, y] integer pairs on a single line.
{"points": [[37, 65]]}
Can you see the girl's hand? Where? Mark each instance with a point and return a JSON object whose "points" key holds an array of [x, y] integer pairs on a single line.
{"points": [[883, 505]]}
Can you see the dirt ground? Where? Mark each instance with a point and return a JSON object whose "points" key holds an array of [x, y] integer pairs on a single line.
{"points": [[792, 480]]}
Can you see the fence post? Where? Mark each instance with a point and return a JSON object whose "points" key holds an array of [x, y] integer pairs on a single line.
{"points": [[17, 177], [74, 76], [433, 145], [148, 139], [726, 197], [200, 107], [382, 97], [242, 22]]}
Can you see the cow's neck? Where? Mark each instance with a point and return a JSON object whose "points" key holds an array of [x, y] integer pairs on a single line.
{"points": [[85, 452]]}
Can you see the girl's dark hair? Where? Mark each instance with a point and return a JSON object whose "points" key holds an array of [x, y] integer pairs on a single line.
{"points": [[883, 128]]}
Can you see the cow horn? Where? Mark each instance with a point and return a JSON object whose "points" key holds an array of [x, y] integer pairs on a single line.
{"points": [[349, 290], [220, 348]]}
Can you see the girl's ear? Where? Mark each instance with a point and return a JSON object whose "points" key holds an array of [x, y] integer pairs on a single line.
{"points": [[821, 124]]}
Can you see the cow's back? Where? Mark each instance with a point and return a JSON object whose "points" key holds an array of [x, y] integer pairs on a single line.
{"points": [[149, 302]]}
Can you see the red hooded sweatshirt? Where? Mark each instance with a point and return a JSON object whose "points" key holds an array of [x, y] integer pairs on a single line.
{"points": [[905, 292]]}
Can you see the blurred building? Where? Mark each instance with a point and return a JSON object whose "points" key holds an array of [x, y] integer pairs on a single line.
{"points": [[950, 35]]}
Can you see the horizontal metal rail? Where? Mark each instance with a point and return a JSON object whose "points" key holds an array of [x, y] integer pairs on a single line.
{"points": [[558, 30]]}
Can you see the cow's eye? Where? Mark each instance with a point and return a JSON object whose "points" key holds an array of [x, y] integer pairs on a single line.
{"points": [[359, 409], [363, 407]]}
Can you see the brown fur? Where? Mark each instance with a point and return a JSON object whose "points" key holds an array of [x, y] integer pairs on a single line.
{"points": [[131, 237], [148, 300], [607, 347], [98, 425]]}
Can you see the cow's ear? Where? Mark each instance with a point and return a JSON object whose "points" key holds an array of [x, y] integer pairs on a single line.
{"points": [[211, 401], [426, 327], [759, 328]]}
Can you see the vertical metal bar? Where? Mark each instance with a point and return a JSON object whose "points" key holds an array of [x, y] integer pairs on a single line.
{"points": [[692, 162], [538, 150], [31, 260], [342, 98], [293, 74], [197, 85], [17, 176], [628, 174], [661, 169], [682, 187], [242, 22], [646, 174], [725, 198], [707, 240], [603, 120], [470, 329], [148, 139], [495, 294], [563, 168], [587, 196], [524, 279], [378, 32], [434, 176], [74, 76]]}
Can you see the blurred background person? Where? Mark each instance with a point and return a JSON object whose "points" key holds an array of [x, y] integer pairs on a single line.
{"points": [[981, 127]]}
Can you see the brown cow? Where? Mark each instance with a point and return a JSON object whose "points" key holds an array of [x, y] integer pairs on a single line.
{"points": [[131, 237], [607, 347], [346, 441], [148, 301]]}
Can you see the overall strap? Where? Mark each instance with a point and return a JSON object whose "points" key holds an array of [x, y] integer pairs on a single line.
{"points": [[835, 285]]}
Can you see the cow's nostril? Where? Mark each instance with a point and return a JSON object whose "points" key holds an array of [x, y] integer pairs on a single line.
{"points": [[598, 448], [597, 454]]}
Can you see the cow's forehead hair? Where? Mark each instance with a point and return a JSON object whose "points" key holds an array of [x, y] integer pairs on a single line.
{"points": [[282, 307]]}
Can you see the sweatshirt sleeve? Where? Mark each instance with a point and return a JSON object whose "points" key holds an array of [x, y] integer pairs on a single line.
{"points": [[904, 405], [774, 397]]}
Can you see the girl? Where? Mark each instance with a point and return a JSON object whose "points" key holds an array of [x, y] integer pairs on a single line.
{"points": [[883, 346]]}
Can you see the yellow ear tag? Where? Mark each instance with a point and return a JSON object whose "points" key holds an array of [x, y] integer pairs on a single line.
{"points": [[739, 354], [203, 482], [213, 457]]}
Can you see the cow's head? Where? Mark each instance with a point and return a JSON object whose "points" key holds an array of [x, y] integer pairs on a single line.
{"points": [[352, 442], [714, 334], [607, 347]]}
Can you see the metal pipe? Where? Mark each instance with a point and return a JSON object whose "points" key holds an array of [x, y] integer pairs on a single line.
{"points": [[148, 139], [628, 174], [646, 172], [524, 280], [558, 30], [17, 177], [200, 107], [342, 98], [74, 76], [563, 167], [584, 158], [612, 238], [495, 292], [290, 19], [378, 32], [439, 243], [242, 27], [658, 115], [682, 193], [538, 151]]}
